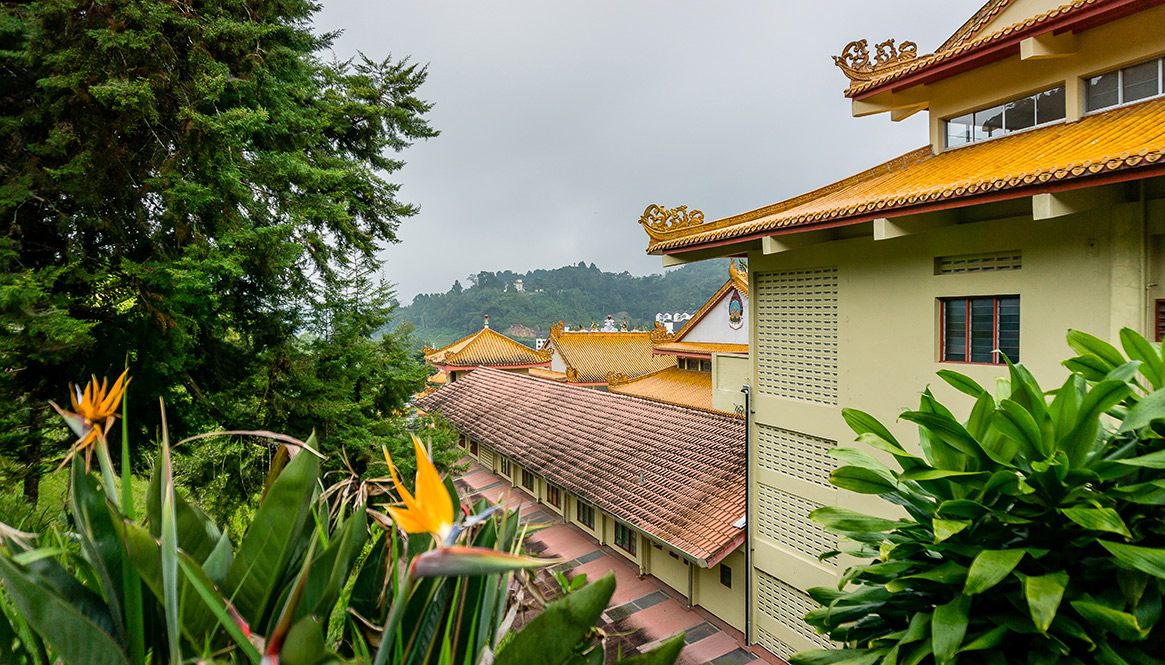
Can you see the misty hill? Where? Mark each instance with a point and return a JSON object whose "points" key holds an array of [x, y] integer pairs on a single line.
{"points": [[577, 294]]}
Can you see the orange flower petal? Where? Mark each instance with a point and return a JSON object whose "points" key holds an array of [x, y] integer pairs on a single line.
{"points": [[432, 496], [405, 520]]}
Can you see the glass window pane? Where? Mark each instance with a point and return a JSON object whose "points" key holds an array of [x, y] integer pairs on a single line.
{"points": [[1019, 114], [1009, 328], [959, 130], [1050, 105], [1139, 81], [982, 330], [955, 330], [1101, 91], [988, 123]]}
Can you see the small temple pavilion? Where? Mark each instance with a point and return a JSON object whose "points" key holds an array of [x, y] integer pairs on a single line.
{"points": [[484, 348], [586, 357]]}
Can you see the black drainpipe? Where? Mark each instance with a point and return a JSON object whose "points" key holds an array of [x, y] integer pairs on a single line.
{"points": [[747, 390]]}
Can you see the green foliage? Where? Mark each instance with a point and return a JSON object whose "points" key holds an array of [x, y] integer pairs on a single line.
{"points": [[578, 295], [1034, 530], [197, 184]]}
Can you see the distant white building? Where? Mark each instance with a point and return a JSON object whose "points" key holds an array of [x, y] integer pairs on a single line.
{"points": [[672, 322], [518, 285]]}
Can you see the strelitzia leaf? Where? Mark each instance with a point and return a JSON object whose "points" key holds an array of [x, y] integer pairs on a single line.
{"points": [[456, 561], [1138, 348], [1043, 594], [989, 568], [1098, 519], [553, 634]]}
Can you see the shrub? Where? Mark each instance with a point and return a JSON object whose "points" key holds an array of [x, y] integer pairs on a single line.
{"points": [[1034, 530]]}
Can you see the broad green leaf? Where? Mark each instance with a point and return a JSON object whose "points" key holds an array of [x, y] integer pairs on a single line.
{"points": [[838, 657], [1151, 461], [1124, 372], [979, 422], [1149, 493], [990, 567], [206, 590], [665, 653], [961, 509], [937, 474], [73, 636], [861, 480], [1098, 519], [1065, 405], [842, 519], [1139, 348], [1149, 560], [1083, 343], [944, 529], [270, 541], [1023, 428], [947, 429], [1080, 441], [331, 568], [1150, 408], [458, 561], [948, 626], [863, 459], [305, 644], [1043, 594], [1122, 624], [95, 528], [861, 422], [197, 534], [1089, 366], [961, 383], [552, 635], [986, 640]]}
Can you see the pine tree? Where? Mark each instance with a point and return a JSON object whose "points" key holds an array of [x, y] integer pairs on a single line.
{"points": [[179, 180]]}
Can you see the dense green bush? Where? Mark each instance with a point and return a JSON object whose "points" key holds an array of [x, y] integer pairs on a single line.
{"points": [[1034, 530]]}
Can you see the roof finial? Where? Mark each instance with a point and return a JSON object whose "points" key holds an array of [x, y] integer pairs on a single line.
{"points": [[487, 320], [855, 58]]}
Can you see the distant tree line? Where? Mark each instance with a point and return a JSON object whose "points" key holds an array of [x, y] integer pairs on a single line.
{"points": [[577, 294]]}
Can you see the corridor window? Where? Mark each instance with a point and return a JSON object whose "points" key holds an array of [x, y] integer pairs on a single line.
{"points": [[527, 479], [973, 329], [553, 496], [625, 538], [1022, 113], [585, 514], [507, 469], [1124, 86]]}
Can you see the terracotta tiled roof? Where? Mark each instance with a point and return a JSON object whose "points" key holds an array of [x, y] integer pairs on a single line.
{"points": [[596, 445], [1132, 137], [489, 348], [592, 354], [702, 348], [682, 387], [965, 40]]}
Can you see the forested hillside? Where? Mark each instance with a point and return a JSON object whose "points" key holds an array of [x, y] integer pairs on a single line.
{"points": [[577, 294]]}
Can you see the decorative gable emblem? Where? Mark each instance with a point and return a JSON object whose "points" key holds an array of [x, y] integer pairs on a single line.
{"points": [[735, 311]]}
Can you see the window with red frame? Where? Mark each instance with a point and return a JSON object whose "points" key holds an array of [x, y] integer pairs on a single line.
{"points": [[585, 514], [1160, 319], [973, 329], [626, 538], [553, 496], [472, 447], [507, 469], [527, 479]]}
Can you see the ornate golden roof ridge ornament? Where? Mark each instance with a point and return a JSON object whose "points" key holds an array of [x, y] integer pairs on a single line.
{"points": [[616, 379], [556, 329], [855, 59], [660, 335], [659, 222]]}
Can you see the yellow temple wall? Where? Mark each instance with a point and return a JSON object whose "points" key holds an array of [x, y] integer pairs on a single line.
{"points": [[1095, 271]]}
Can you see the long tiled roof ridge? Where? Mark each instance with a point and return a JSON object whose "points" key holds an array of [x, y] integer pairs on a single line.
{"points": [[1124, 138], [596, 444], [779, 207], [688, 388], [974, 24], [963, 47]]}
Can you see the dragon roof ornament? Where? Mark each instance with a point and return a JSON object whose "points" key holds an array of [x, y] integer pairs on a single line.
{"points": [[660, 222], [855, 59], [660, 335], [617, 379]]}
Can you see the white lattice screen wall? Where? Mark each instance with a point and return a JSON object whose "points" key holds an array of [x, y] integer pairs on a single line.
{"points": [[784, 518], [797, 455], [487, 457], [788, 607], [773, 644], [797, 335]]}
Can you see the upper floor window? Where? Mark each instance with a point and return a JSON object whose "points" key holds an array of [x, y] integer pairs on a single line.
{"points": [[1125, 85], [975, 328], [1030, 111], [696, 364]]}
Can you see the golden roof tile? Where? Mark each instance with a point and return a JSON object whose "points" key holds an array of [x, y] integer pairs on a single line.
{"points": [[700, 348], [965, 41], [489, 348], [1123, 139], [588, 356], [438, 378], [544, 373], [681, 387], [674, 473]]}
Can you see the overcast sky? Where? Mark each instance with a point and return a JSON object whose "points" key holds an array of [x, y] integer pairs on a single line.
{"points": [[561, 121]]}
